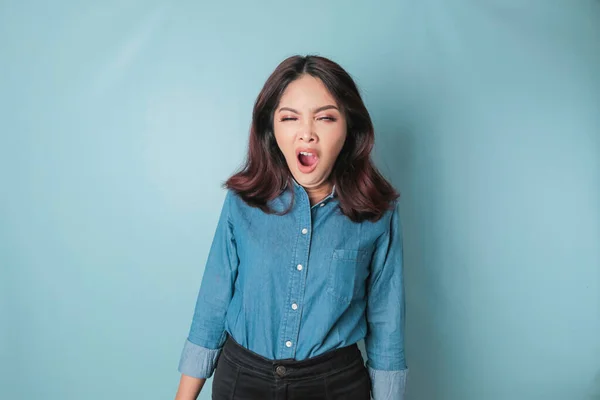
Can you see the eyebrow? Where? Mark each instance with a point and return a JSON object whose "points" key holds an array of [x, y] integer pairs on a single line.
{"points": [[319, 109]]}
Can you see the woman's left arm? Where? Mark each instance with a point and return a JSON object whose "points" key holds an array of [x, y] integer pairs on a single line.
{"points": [[386, 315]]}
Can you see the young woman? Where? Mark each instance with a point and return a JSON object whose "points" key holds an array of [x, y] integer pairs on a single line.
{"points": [[307, 256]]}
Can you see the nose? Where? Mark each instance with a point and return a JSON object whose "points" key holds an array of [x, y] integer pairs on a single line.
{"points": [[307, 133]]}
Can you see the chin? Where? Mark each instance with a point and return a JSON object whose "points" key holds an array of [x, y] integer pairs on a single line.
{"points": [[309, 181]]}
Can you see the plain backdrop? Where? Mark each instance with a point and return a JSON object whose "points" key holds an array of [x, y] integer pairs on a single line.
{"points": [[119, 120]]}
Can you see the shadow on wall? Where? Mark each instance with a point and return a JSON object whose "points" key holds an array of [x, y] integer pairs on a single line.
{"points": [[397, 124], [595, 390], [398, 158]]}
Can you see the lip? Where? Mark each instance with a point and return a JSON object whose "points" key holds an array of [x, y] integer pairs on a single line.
{"points": [[302, 168]]}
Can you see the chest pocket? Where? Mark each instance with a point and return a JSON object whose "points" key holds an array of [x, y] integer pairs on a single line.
{"points": [[348, 271]]}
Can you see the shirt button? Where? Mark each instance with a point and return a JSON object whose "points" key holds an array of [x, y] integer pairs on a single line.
{"points": [[294, 306], [322, 205], [288, 344], [304, 231], [299, 267]]}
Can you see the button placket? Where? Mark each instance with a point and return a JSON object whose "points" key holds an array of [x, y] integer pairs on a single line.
{"points": [[292, 315]]}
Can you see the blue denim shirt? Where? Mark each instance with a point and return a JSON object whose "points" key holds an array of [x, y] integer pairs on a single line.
{"points": [[301, 284]]}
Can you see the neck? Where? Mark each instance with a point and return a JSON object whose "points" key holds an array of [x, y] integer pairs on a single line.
{"points": [[318, 193]]}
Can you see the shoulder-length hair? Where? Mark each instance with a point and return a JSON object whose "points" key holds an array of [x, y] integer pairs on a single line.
{"points": [[363, 193]]}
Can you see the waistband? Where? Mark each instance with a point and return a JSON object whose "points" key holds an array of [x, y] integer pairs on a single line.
{"points": [[323, 364]]}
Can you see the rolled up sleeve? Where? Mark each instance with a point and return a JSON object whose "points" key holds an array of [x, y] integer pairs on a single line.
{"points": [[207, 332], [198, 361], [384, 341]]}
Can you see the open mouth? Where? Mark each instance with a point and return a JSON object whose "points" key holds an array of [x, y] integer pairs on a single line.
{"points": [[307, 160]]}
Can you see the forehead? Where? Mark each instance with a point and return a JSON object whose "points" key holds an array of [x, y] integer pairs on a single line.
{"points": [[307, 91]]}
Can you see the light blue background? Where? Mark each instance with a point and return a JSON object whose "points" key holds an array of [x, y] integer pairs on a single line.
{"points": [[120, 120]]}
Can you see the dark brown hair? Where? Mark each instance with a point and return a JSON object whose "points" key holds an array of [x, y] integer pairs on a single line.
{"points": [[363, 193]]}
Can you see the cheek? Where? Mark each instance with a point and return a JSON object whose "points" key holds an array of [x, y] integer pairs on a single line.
{"points": [[285, 142], [335, 143]]}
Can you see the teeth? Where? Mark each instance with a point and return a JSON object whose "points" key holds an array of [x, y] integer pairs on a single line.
{"points": [[304, 153]]}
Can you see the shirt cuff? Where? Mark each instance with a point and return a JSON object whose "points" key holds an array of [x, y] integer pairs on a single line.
{"points": [[197, 361], [387, 385]]}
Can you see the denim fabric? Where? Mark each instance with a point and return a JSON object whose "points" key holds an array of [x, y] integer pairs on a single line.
{"points": [[297, 285]]}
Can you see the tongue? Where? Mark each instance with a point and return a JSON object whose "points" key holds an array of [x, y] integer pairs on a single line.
{"points": [[307, 161]]}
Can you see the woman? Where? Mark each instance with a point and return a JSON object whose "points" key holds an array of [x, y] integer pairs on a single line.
{"points": [[307, 255]]}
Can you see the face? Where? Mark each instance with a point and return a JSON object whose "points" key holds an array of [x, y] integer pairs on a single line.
{"points": [[310, 130]]}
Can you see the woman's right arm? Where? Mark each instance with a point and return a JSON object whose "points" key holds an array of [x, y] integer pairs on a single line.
{"points": [[207, 332], [189, 388]]}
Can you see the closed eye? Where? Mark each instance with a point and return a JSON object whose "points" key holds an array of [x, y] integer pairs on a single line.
{"points": [[332, 119], [288, 119]]}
